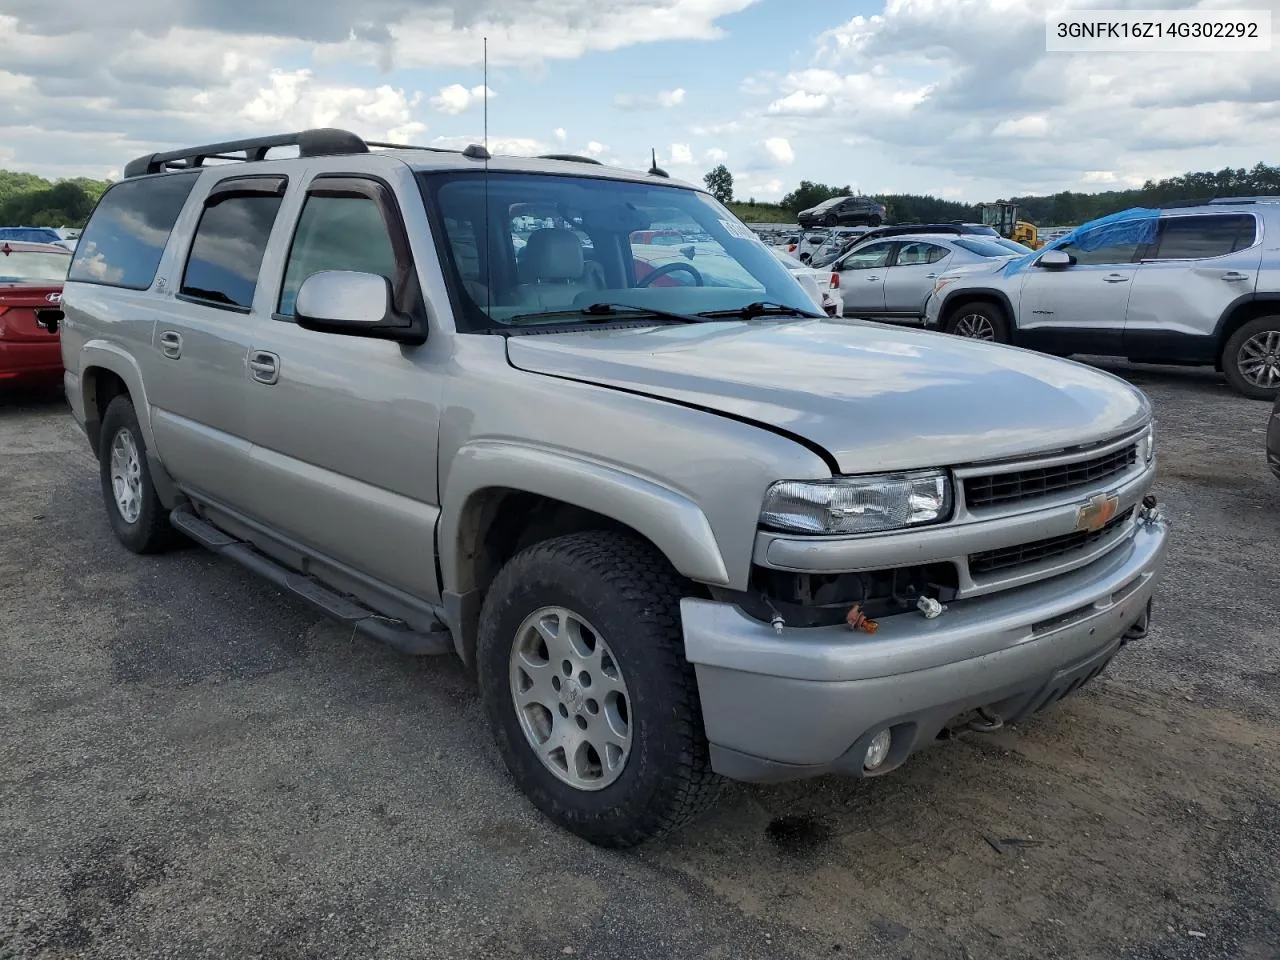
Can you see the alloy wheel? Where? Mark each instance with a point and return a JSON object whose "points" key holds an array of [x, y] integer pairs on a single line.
{"points": [[126, 475], [571, 699], [1259, 359]]}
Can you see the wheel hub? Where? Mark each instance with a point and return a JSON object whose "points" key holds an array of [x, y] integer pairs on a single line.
{"points": [[1259, 359], [570, 698], [126, 475]]}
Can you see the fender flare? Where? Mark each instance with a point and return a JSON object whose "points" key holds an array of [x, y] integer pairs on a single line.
{"points": [[671, 521], [109, 356], [979, 293]]}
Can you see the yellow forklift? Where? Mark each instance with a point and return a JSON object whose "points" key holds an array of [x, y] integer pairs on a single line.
{"points": [[1003, 216]]}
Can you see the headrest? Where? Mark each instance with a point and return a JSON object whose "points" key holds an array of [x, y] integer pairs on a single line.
{"points": [[552, 255]]}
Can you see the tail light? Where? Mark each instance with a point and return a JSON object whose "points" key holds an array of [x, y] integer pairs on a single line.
{"points": [[835, 281], [791, 248]]}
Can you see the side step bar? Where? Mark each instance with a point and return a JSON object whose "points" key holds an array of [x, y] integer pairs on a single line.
{"points": [[394, 633]]}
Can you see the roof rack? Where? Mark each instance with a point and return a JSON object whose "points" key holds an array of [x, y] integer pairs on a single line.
{"points": [[320, 142], [571, 157]]}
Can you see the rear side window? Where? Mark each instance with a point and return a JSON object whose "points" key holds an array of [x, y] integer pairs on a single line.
{"points": [[126, 236], [337, 233], [226, 253], [917, 253], [1201, 237]]}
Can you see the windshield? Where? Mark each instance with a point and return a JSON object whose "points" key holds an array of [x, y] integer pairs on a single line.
{"points": [[27, 266], [986, 248], [530, 248], [1014, 245]]}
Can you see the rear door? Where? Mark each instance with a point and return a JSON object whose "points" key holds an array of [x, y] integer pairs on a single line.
{"points": [[908, 281], [1200, 265], [862, 274], [199, 381]]}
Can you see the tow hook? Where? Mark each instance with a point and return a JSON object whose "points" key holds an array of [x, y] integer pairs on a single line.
{"points": [[985, 722], [1150, 512]]}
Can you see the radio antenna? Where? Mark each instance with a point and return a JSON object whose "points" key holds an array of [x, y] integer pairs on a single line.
{"points": [[488, 246]]}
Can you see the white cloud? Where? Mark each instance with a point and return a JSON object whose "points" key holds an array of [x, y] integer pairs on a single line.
{"points": [[800, 102], [456, 98], [560, 135], [1030, 126], [595, 149], [779, 150], [681, 154], [1099, 176], [716, 155], [662, 100]]}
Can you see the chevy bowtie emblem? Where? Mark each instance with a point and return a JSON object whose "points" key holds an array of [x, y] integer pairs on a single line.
{"points": [[1097, 513]]}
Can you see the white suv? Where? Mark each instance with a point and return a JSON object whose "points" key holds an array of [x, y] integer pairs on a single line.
{"points": [[1181, 285]]}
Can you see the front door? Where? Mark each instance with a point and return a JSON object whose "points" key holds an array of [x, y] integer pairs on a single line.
{"points": [[862, 273], [344, 428], [1079, 308]]}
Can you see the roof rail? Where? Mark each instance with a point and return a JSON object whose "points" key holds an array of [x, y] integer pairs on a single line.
{"points": [[571, 157], [1211, 201], [1271, 199], [320, 142]]}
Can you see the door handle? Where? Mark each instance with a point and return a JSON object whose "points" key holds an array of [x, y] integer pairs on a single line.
{"points": [[1235, 277], [171, 344], [1116, 278], [264, 366], [872, 279], [931, 276]]}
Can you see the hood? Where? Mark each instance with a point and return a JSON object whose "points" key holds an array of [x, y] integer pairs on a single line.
{"points": [[873, 397]]}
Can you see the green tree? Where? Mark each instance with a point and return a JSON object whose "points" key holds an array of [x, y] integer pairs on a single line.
{"points": [[720, 182], [28, 200]]}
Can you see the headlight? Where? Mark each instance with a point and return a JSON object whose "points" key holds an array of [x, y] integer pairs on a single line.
{"points": [[1147, 444], [858, 504]]}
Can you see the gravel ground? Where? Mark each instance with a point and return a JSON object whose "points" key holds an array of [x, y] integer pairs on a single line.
{"points": [[196, 766]]}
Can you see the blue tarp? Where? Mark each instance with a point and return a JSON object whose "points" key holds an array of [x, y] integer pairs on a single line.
{"points": [[30, 234], [1135, 225]]}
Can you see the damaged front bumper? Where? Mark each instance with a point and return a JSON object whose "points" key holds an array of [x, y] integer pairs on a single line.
{"points": [[799, 702]]}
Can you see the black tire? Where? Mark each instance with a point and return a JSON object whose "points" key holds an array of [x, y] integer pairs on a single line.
{"points": [[149, 531], [1230, 358], [989, 312], [874, 221], [624, 588], [830, 220]]}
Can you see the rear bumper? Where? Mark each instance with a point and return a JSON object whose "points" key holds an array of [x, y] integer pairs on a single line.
{"points": [[35, 360], [808, 701]]}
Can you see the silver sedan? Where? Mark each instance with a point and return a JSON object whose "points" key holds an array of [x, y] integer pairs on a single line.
{"points": [[891, 279]]}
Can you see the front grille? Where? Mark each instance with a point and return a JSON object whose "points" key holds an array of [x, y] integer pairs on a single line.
{"points": [[1004, 488], [1006, 558]]}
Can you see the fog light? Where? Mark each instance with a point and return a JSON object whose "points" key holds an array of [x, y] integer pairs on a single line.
{"points": [[877, 750]]}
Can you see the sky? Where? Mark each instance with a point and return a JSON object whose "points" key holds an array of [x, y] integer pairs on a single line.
{"points": [[955, 98]]}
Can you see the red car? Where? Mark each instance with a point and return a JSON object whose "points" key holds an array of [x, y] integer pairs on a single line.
{"points": [[31, 276]]}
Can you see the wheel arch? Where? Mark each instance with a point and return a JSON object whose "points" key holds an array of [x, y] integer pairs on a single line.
{"points": [[1241, 310], [960, 298], [501, 497], [107, 372]]}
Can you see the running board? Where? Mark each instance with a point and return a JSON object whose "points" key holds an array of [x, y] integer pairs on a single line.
{"points": [[392, 632]]}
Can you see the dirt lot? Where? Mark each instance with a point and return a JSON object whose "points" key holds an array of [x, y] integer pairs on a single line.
{"points": [[195, 766]]}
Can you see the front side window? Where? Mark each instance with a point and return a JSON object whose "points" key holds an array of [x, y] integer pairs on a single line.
{"points": [[1202, 237], [337, 233], [226, 252], [32, 266], [870, 257], [125, 238], [1107, 253], [524, 248]]}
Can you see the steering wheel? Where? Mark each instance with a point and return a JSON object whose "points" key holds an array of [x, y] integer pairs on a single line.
{"points": [[669, 268]]}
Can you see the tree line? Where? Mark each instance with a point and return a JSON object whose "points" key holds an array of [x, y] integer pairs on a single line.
{"points": [[1066, 208], [27, 200]]}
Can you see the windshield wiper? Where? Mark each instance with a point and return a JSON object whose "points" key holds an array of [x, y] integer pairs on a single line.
{"points": [[762, 308], [606, 311]]}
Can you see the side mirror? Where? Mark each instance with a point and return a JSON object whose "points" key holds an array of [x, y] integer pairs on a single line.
{"points": [[355, 304], [1055, 259], [688, 252]]}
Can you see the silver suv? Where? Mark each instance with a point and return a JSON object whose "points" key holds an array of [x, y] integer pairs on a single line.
{"points": [[1182, 285], [678, 524]]}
